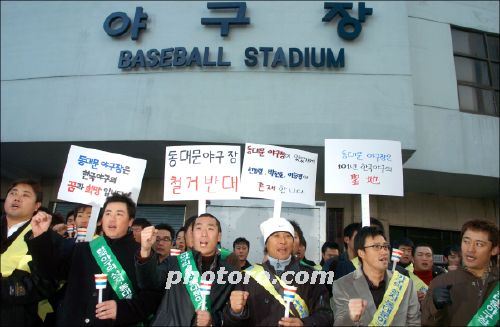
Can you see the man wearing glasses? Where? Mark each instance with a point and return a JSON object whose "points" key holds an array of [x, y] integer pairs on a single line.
{"points": [[163, 244], [372, 294]]}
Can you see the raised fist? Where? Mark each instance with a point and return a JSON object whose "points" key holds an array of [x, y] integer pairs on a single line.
{"points": [[238, 299]]}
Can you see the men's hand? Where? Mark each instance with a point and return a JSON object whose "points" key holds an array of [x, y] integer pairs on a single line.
{"points": [[420, 296], [451, 268], [357, 308], [238, 299], [203, 318], [441, 296], [106, 310], [59, 229], [290, 322], [40, 223], [148, 238]]}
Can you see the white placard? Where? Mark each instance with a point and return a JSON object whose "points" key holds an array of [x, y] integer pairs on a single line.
{"points": [[363, 167], [202, 172], [277, 173], [91, 175]]}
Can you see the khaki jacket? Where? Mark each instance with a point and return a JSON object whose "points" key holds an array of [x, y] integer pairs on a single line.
{"points": [[354, 285]]}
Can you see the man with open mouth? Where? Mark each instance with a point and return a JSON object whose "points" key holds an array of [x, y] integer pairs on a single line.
{"points": [[260, 302], [468, 295], [123, 302], [183, 304], [372, 294]]}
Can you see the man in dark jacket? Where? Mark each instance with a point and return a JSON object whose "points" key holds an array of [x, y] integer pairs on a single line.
{"points": [[21, 287], [466, 295], [124, 303], [182, 304], [258, 299]]}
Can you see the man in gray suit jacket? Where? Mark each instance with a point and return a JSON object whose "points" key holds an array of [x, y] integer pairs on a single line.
{"points": [[372, 293]]}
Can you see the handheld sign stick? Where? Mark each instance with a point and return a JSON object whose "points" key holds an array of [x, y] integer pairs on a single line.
{"points": [[205, 287], [100, 284], [288, 296], [277, 208], [175, 252], [395, 257], [202, 207]]}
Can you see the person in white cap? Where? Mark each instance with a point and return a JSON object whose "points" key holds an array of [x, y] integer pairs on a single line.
{"points": [[259, 302]]}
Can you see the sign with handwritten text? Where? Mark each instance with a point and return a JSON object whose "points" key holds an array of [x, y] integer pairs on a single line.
{"points": [[202, 172], [277, 173], [90, 176], [363, 167]]}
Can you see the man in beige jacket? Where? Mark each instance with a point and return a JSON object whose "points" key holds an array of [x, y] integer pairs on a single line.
{"points": [[359, 298]]}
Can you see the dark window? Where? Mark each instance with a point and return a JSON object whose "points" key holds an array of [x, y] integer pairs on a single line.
{"points": [[438, 239], [334, 223], [477, 68]]}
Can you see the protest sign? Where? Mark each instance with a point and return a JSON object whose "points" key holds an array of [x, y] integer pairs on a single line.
{"points": [[278, 173], [363, 167], [90, 176], [202, 172]]}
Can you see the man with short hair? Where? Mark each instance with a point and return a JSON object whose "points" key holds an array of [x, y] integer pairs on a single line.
{"points": [[182, 303], [163, 242], [465, 296], [188, 235], [124, 303], [241, 247], [180, 239], [329, 250], [372, 293], [20, 287], [345, 261], [137, 226], [452, 257], [298, 237], [406, 245], [424, 269], [260, 301], [82, 216]]}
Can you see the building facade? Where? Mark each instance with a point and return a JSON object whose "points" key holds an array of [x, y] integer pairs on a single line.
{"points": [[134, 77]]}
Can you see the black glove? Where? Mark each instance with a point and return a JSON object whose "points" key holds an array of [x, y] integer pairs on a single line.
{"points": [[441, 296]]}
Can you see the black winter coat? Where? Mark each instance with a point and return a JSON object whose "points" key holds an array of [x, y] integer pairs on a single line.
{"points": [[176, 308], [78, 308], [262, 309], [22, 290]]}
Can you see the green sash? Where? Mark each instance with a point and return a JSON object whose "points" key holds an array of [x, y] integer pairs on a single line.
{"points": [[224, 253], [192, 278], [315, 267], [257, 273], [117, 276], [391, 301], [355, 262], [487, 315]]}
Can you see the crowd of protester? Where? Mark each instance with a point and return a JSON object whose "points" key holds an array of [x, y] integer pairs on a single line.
{"points": [[50, 273]]}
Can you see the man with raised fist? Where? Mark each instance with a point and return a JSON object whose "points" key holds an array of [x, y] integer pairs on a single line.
{"points": [[123, 301], [373, 295], [260, 302]]}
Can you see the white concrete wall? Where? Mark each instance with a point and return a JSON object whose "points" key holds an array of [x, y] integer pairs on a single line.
{"points": [[447, 139], [59, 67]]}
